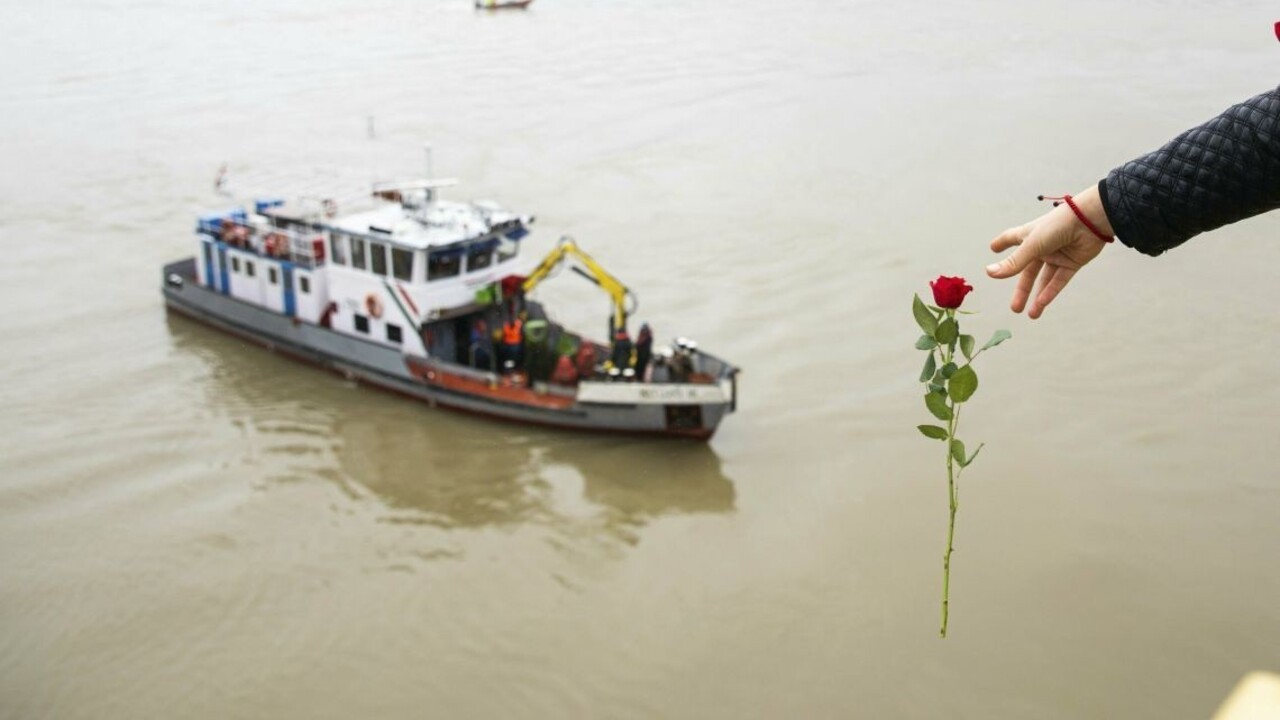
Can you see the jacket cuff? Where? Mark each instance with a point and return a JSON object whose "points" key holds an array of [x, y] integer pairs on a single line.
{"points": [[1112, 205]]}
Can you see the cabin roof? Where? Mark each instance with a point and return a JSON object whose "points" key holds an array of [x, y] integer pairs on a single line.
{"points": [[439, 223]]}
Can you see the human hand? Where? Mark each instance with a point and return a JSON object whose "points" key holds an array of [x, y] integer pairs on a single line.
{"points": [[1053, 247]]}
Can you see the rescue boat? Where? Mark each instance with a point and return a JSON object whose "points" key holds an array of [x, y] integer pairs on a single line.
{"points": [[421, 296]]}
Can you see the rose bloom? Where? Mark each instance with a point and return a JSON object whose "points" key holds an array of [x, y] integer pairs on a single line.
{"points": [[949, 292]]}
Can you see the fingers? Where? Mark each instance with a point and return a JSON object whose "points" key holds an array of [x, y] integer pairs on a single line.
{"points": [[1019, 259], [1009, 238], [1051, 284], [1022, 290]]}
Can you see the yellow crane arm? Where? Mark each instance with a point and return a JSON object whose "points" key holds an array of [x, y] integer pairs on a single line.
{"points": [[596, 274]]}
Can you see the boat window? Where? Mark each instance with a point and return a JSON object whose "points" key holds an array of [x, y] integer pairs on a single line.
{"points": [[357, 254], [235, 264], [304, 284], [507, 249], [444, 264], [402, 264], [271, 275], [378, 258], [338, 248], [479, 256], [362, 324], [393, 333], [248, 268]]}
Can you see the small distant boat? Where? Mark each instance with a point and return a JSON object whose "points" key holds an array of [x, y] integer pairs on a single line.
{"points": [[503, 4]]}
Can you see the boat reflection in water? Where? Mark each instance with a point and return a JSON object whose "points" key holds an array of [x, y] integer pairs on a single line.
{"points": [[442, 469]]}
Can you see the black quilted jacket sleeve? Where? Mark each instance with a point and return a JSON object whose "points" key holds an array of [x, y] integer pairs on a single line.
{"points": [[1225, 170]]}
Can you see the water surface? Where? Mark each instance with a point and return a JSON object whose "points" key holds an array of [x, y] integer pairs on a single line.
{"points": [[192, 527]]}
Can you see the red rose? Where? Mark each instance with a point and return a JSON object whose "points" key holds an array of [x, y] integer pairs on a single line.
{"points": [[949, 292]]}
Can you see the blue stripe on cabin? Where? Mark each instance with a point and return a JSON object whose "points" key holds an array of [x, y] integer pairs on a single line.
{"points": [[286, 280], [225, 284], [207, 248]]}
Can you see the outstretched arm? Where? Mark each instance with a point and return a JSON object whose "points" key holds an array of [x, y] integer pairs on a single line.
{"points": [[1217, 173]]}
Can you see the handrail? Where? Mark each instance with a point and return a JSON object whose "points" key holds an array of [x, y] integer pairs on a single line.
{"points": [[273, 242]]}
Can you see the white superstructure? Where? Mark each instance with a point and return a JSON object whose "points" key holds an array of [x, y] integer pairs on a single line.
{"points": [[377, 272]]}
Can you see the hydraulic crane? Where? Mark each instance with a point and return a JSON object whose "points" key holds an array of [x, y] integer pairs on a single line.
{"points": [[624, 301]]}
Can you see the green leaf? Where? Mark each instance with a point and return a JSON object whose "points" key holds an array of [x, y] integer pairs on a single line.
{"points": [[966, 346], [999, 337], [930, 365], [974, 456], [963, 384], [935, 387], [948, 370], [925, 319], [933, 431], [957, 452], [948, 331], [937, 404], [926, 343]]}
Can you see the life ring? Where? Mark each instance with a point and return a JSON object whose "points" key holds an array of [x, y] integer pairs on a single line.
{"points": [[330, 207], [373, 305]]}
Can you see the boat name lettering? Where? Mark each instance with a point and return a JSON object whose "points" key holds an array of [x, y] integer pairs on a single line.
{"points": [[668, 393]]}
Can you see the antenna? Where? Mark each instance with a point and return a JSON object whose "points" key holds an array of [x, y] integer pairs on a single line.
{"points": [[431, 193], [373, 156]]}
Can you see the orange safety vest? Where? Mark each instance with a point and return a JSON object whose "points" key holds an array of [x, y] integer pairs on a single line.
{"points": [[511, 332]]}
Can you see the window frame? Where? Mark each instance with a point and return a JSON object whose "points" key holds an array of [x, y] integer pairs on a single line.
{"points": [[475, 250], [359, 253], [503, 242], [407, 255], [338, 248], [378, 256], [441, 256]]}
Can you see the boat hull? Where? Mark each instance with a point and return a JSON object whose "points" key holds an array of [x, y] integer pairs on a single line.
{"points": [[389, 369]]}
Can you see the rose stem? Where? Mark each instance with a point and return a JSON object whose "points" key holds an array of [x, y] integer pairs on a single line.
{"points": [[951, 495]]}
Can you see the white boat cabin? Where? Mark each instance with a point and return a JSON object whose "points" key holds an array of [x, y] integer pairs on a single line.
{"points": [[377, 273]]}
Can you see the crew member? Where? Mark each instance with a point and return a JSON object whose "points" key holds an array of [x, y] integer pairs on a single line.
{"points": [[565, 373], [621, 356], [644, 350], [586, 360], [481, 346], [513, 341]]}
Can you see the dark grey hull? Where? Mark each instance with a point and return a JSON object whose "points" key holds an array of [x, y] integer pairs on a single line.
{"points": [[386, 367]]}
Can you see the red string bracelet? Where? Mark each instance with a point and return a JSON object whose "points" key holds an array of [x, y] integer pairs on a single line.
{"points": [[1079, 214]]}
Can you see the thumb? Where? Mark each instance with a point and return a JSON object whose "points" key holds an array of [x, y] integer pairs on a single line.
{"points": [[1020, 258]]}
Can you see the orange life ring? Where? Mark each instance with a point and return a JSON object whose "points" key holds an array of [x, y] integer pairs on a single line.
{"points": [[373, 305]]}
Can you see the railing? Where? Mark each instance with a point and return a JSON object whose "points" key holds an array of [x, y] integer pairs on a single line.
{"points": [[306, 248]]}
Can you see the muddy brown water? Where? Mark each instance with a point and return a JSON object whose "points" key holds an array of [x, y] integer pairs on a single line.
{"points": [[191, 527]]}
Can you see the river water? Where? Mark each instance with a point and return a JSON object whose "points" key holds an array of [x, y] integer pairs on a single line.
{"points": [[192, 527]]}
